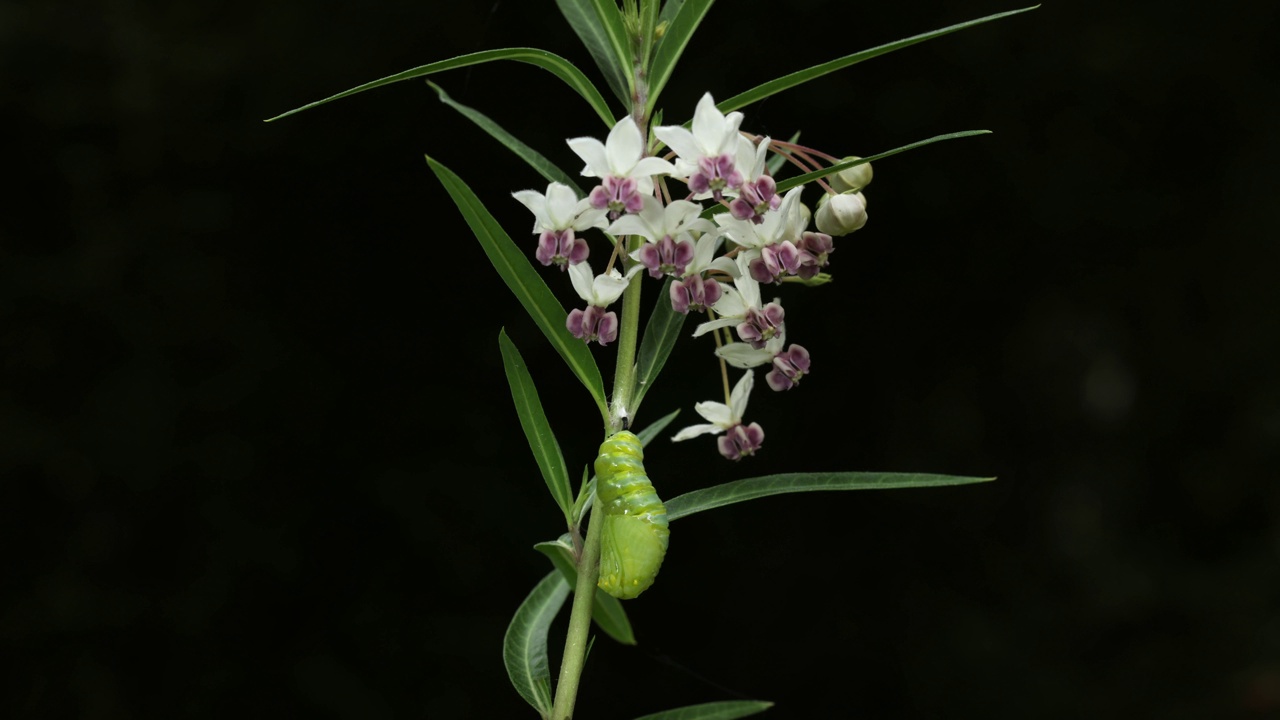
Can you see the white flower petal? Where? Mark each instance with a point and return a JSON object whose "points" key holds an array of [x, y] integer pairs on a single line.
{"points": [[717, 413], [562, 205], [683, 142], [609, 286], [581, 276], [725, 265], [632, 225], [651, 166], [592, 152], [741, 393], [623, 147], [694, 431], [742, 355], [537, 204], [710, 325]]}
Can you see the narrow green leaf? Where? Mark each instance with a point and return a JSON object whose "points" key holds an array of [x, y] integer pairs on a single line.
{"points": [[551, 62], [660, 335], [758, 487], [649, 433], [542, 441], [675, 38], [525, 283], [536, 160], [800, 77], [524, 648], [670, 9], [727, 710], [648, 26], [599, 25], [789, 183], [606, 609]]}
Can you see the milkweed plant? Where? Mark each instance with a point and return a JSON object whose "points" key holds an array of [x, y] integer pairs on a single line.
{"points": [[716, 220]]}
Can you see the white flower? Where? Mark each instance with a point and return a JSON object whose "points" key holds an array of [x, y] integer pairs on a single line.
{"points": [[720, 416], [560, 209], [734, 303], [785, 223], [704, 257], [714, 134], [599, 290], [620, 156], [655, 222]]}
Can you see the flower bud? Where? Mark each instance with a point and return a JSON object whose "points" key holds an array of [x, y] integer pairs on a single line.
{"points": [[852, 179], [841, 214]]}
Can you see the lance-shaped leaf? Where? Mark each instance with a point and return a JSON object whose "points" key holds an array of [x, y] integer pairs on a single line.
{"points": [[789, 183], [606, 609], [536, 160], [680, 27], [728, 710], [752, 488], [660, 335], [800, 77], [649, 433], [524, 648], [598, 23], [542, 441], [551, 62], [518, 273]]}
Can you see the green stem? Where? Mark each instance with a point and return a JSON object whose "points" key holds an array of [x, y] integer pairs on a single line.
{"points": [[575, 644], [584, 593], [624, 378]]}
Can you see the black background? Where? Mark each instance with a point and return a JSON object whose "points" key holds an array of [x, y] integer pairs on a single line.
{"points": [[260, 459]]}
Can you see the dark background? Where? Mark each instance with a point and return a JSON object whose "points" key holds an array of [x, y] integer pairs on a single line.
{"points": [[259, 457]]}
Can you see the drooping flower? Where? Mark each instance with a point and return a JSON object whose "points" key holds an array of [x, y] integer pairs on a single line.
{"points": [[739, 440], [557, 215], [560, 209], [599, 291], [759, 192], [669, 231], [707, 155], [626, 174]]}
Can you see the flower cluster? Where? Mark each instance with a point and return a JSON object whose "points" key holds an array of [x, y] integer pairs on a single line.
{"points": [[717, 257]]}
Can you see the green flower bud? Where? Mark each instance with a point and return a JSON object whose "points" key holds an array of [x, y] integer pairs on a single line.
{"points": [[841, 214], [852, 179]]}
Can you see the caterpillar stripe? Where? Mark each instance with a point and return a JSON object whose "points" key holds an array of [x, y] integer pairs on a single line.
{"points": [[634, 533]]}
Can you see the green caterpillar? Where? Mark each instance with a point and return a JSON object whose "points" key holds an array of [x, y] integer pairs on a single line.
{"points": [[634, 533]]}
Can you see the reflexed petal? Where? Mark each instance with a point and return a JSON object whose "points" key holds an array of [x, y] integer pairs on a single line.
{"points": [[623, 147], [741, 393], [581, 276], [609, 287], [694, 431], [742, 355], [680, 140], [651, 166], [710, 325], [592, 152], [717, 413], [537, 204], [562, 205]]}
